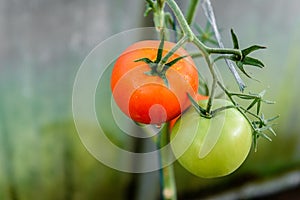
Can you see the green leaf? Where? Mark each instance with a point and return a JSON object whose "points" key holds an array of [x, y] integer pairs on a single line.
{"points": [[252, 61], [208, 26], [160, 50], [258, 107], [149, 7], [207, 35], [265, 136], [252, 104], [169, 20], [147, 10], [201, 111], [171, 63], [273, 118], [212, 41], [150, 3], [145, 60], [234, 40], [244, 96], [160, 3], [241, 67], [268, 102], [250, 49], [272, 131], [262, 93], [199, 29]]}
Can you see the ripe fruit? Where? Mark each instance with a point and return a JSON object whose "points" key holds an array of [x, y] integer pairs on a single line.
{"points": [[145, 97]]}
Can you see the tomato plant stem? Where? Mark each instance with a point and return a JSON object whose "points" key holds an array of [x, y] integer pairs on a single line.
{"points": [[168, 186], [224, 51], [169, 189], [235, 54], [181, 19], [204, 49]]}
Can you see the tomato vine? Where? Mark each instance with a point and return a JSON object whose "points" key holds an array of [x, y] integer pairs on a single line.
{"points": [[236, 54], [241, 58]]}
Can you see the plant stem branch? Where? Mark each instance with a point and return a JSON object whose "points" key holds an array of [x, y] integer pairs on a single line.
{"points": [[224, 51], [203, 48], [181, 19]]}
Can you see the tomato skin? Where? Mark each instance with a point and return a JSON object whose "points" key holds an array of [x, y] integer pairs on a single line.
{"points": [[224, 154], [145, 98]]}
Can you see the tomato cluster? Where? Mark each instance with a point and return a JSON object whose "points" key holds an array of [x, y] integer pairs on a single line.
{"points": [[219, 144]]}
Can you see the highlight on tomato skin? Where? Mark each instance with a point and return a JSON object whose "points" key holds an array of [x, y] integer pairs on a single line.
{"points": [[146, 98]]}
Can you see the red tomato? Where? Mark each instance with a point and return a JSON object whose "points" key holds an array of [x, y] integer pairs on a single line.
{"points": [[146, 98]]}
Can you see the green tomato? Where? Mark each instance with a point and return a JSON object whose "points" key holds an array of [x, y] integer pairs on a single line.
{"points": [[213, 147]]}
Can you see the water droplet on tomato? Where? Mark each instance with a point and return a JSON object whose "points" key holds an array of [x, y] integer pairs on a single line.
{"points": [[158, 126]]}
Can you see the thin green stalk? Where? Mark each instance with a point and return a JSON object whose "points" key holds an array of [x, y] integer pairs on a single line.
{"points": [[204, 49], [191, 11], [187, 31], [200, 45], [224, 51], [213, 90], [210, 99], [229, 95], [196, 55], [169, 189], [168, 186], [181, 19]]}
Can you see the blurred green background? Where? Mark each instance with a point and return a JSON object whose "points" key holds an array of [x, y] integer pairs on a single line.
{"points": [[42, 44]]}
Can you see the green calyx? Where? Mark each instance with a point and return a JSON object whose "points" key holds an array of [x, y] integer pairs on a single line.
{"points": [[159, 66], [201, 111], [243, 59]]}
